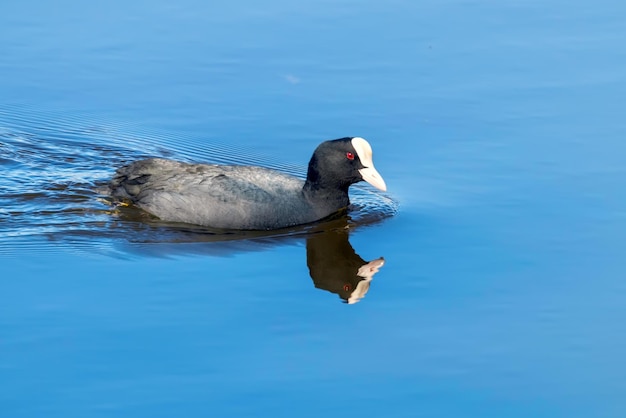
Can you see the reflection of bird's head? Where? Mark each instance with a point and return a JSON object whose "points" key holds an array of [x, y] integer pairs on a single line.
{"points": [[334, 265]]}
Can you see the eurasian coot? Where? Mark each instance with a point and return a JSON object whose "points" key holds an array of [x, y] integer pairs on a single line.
{"points": [[247, 197]]}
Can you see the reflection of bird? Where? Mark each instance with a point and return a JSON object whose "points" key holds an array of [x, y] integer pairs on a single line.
{"points": [[246, 197], [335, 266]]}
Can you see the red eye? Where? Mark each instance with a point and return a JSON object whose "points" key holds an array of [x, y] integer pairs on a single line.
{"points": [[349, 155]]}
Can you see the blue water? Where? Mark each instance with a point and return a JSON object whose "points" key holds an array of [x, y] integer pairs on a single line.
{"points": [[498, 129]]}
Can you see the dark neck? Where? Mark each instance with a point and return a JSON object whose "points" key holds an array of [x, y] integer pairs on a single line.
{"points": [[331, 197], [326, 192]]}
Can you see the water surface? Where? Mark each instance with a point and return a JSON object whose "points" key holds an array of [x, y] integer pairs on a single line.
{"points": [[497, 127]]}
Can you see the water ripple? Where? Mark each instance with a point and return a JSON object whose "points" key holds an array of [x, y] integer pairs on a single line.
{"points": [[51, 168]]}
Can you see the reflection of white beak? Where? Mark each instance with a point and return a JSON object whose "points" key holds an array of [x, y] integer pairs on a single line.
{"points": [[367, 271], [371, 176], [359, 293], [368, 172], [370, 269]]}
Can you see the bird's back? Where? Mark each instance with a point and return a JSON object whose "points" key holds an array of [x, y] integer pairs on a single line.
{"points": [[219, 196]]}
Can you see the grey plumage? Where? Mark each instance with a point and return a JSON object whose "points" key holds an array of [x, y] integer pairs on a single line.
{"points": [[240, 197]]}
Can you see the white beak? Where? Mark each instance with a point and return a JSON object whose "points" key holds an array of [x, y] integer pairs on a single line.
{"points": [[368, 172], [371, 176]]}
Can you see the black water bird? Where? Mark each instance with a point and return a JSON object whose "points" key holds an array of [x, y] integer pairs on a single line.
{"points": [[248, 197]]}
